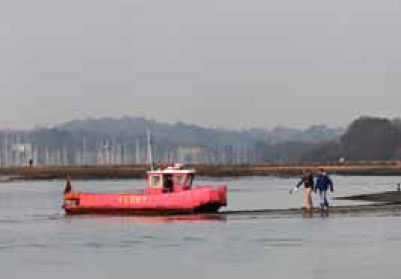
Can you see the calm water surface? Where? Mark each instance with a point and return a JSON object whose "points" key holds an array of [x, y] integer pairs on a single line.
{"points": [[38, 241]]}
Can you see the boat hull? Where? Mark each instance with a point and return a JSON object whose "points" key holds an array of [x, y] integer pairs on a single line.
{"points": [[197, 200], [212, 208]]}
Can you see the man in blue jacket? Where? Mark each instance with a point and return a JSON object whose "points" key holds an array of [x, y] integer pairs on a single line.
{"points": [[323, 184]]}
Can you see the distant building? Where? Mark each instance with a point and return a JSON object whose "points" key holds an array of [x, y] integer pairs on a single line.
{"points": [[21, 154]]}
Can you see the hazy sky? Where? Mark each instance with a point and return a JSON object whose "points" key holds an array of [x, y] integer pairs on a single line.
{"points": [[233, 63]]}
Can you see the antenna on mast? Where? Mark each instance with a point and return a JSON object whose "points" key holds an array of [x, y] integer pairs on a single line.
{"points": [[150, 158]]}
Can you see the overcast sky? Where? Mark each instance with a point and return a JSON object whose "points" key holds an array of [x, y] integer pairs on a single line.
{"points": [[232, 63]]}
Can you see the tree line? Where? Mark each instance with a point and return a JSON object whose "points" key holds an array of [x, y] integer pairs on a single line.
{"points": [[367, 138]]}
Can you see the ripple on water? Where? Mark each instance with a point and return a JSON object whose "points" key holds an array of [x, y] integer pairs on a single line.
{"points": [[5, 247], [393, 239], [119, 244], [10, 221], [193, 239], [96, 245], [126, 243], [280, 242], [36, 245], [149, 237]]}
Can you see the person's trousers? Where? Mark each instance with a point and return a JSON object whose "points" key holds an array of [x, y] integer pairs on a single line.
{"points": [[323, 198], [308, 198]]}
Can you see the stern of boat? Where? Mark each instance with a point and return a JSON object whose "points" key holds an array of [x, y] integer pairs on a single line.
{"points": [[71, 200], [217, 199], [222, 195]]}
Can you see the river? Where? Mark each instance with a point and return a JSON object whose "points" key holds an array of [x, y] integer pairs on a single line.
{"points": [[38, 241]]}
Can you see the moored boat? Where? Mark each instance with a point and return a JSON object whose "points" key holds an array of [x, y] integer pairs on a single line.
{"points": [[169, 191]]}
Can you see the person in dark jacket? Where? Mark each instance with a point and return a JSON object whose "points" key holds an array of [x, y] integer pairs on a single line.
{"points": [[308, 183], [323, 184]]}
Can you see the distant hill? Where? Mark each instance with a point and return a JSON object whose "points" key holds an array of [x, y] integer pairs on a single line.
{"points": [[135, 126], [123, 140], [314, 134]]}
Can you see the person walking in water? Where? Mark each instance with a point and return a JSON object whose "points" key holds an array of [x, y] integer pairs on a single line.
{"points": [[307, 181], [323, 184]]}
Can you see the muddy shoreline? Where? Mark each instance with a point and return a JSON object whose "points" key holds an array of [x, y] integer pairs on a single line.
{"points": [[382, 204], [377, 209]]}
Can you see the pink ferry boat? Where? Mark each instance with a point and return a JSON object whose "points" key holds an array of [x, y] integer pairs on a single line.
{"points": [[169, 191]]}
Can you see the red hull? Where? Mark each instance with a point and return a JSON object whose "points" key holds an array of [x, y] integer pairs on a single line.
{"points": [[197, 200]]}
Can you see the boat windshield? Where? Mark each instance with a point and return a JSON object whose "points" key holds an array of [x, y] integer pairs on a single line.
{"points": [[156, 181], [184, 179], [180, 179]]}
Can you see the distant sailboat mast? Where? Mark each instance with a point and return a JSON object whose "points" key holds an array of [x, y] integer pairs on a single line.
{"points": [[137, 158], [150, 158]]}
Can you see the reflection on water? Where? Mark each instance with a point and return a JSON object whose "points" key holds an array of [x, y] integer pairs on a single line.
{"points": [[38, 241], [306, 213], [154, 219]]}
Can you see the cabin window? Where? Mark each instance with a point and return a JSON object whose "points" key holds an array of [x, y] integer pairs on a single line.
{"points": [[156, 181], [180, 179], [189, 180]]}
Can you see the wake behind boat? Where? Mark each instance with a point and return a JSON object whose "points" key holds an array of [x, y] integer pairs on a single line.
{"points": [[169, 191]]}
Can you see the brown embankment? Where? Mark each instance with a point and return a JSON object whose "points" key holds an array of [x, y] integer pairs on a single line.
{"points": [[77, 172], [355, 168], [138, 171]]}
